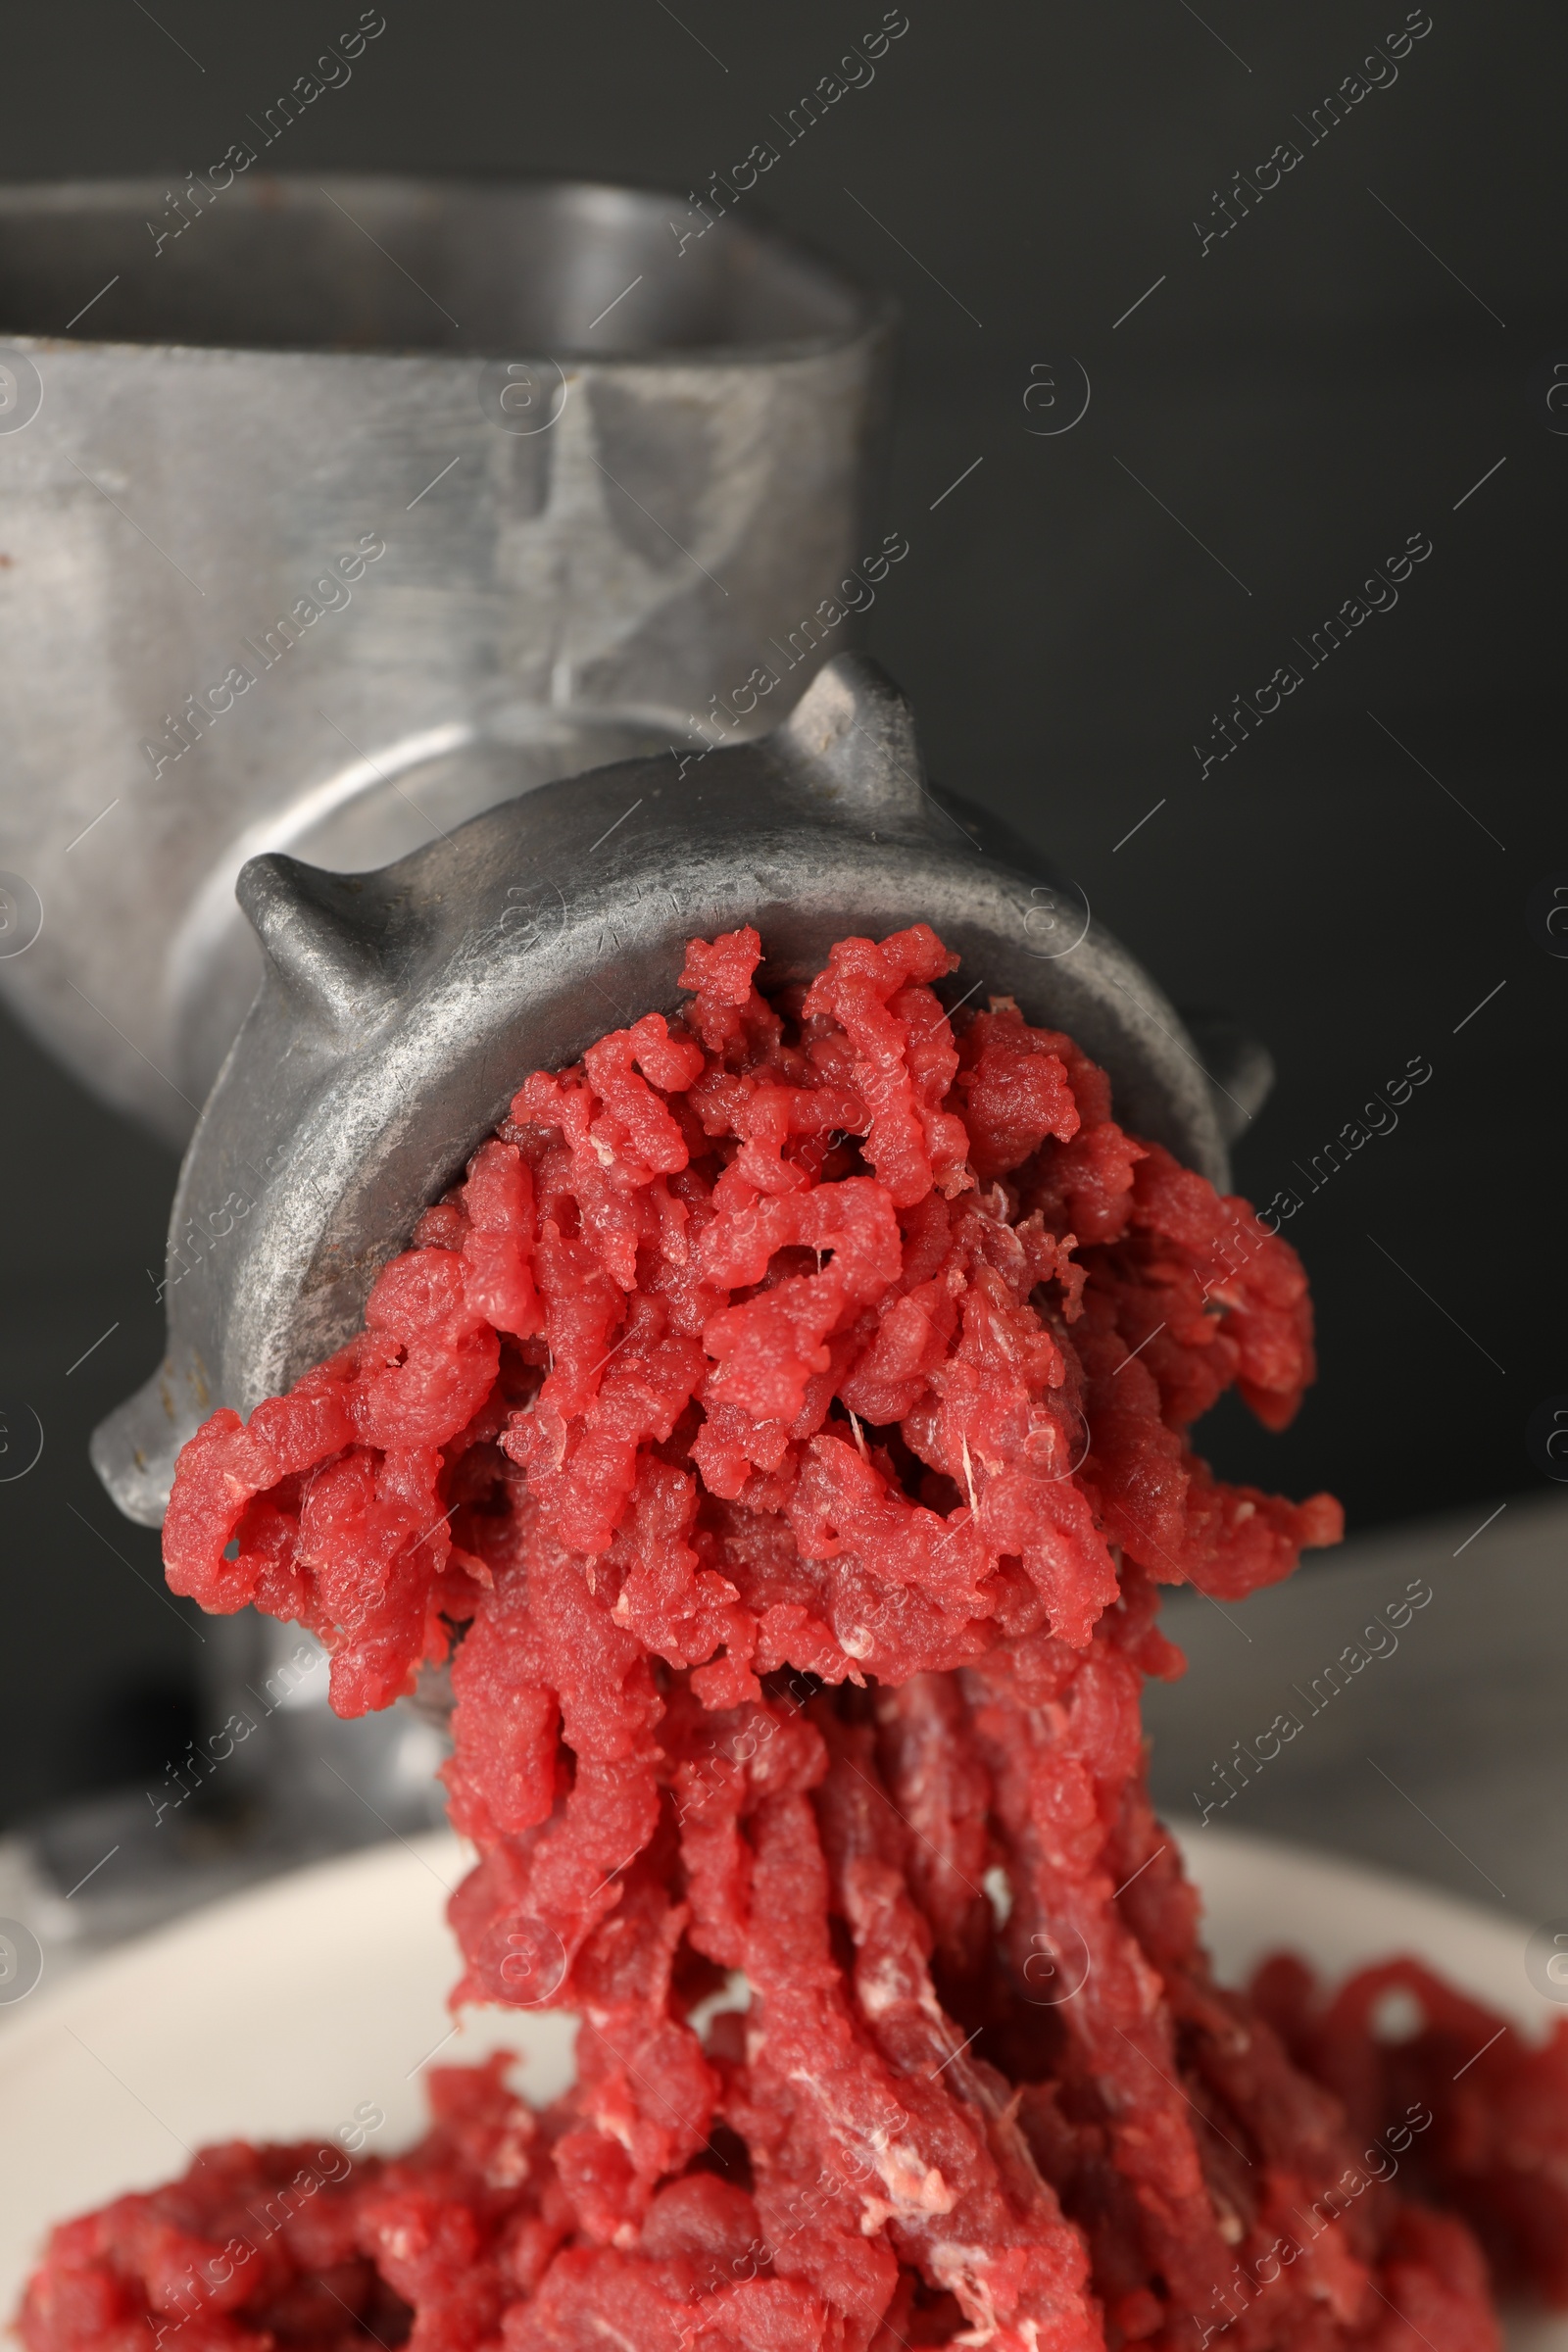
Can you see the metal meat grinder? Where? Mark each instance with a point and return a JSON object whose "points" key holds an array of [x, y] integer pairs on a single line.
{"points": [[424, 608]]}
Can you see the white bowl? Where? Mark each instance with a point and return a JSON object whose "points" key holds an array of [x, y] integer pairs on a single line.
{"points": [[314, 2002]]}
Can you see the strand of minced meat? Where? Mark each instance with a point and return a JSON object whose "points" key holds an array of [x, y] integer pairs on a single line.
{"points": [[782, 1429]]}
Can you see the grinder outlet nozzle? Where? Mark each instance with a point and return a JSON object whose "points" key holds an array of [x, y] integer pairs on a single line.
{"points": [[400, 1010]]}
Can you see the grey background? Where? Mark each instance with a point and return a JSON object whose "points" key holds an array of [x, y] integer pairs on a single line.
{"points": [[1323, 382], [1421, 1670]]}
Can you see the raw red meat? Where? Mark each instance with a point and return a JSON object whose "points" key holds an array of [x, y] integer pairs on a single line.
{"points": [[782, 1430]]}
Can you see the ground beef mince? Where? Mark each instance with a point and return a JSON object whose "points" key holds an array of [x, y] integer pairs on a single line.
{"points": [[782, 1431]]}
